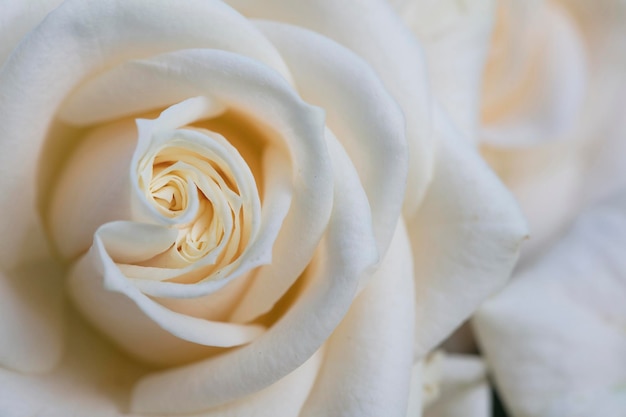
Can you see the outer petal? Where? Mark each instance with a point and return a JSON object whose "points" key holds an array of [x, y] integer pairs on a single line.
{"points": [[545, 103], [464, 390], [390, 49], [31, 336], [466, 238], [18, 18], [94, 379], [555, 338], [346, 254], [366, 370], [456, 36], [359, 111]]}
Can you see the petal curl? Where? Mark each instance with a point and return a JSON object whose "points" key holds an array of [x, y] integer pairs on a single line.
{"points": [[466, 239], [77, 40], [359, 111], [346, 255], [367, 360], [456, 37], [31, 329], [555, 338], [391, 50]]}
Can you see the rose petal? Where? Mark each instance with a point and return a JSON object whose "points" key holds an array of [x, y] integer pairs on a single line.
{"points": [[142, 326], [456, 37], [293, 127], [555, 338], [79, 39], [31, 307], [367, 362], [346, 254], [466, 239], [359, 111], [390, 49], [18, 18], [547, 103], [464, 389]]}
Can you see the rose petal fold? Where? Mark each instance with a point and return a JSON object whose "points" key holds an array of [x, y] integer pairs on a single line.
{"points": [[555, 337], [391, 50], [345, 257], [31, 307], [466, 239], [367, 360], [359, 111], [456, 37], [79, 39]]}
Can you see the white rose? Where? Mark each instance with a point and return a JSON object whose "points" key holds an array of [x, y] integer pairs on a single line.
{"points": [[259, 213], [553, 129]]}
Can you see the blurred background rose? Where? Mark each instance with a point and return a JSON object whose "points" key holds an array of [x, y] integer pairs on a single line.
{"points": [[550, 81]]}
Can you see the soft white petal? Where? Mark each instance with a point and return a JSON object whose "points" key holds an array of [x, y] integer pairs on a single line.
{"points": [[77, 40], [345, 256], [466, 238], [93, 188], [367, 362], [456, 37], [390, 49], [31, 308], [139, 324], [359, 111], [555, 338], [294, 129], [18, 18], [464, 390], [548, 99]]}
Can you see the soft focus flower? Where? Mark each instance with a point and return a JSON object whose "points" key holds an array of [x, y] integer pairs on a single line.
{"points": [[555, 338], [254, 208], [551, 87]]}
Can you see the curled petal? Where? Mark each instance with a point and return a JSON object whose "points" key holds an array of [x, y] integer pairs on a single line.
{"points": [[555, 337], [367, 360], [31, 307], [345, 256], [391, 50], [359, 111], [466, 238]]}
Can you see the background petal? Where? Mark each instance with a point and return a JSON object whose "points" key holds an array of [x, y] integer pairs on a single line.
{"points": [[555, 338]]}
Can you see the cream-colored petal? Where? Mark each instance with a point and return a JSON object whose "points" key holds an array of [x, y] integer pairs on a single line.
{"points": [[466, 238], [31, 307], [77, 40], [390, 49], [359, 112], [456, 36], [346, 255], [93, 188], [464, 390], [549, 99], [139, 324], [18, 18], [555, 339], [295, 131], [367, 361]]}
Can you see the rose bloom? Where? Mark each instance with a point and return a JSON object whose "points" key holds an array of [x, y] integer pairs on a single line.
{"points": [[552, 125], [233, 209]]}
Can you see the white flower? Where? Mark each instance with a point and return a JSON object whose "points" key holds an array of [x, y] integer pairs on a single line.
{"points": [[261, 213]]}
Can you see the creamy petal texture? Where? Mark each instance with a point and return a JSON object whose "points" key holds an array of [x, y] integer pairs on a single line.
{"points": [[555, 338], [391, 51], [456, 37], [464, 390], [367, 359], [347, 253], [465, 239]]}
